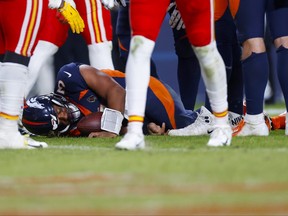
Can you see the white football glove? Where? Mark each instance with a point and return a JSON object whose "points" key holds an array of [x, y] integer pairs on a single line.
{"points": [[110, 4], [175, 18]]}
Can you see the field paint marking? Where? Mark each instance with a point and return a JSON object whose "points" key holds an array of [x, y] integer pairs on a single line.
{"points": [[80, 147], [89, 148]]}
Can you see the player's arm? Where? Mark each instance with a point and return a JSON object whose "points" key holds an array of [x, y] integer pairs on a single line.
{"points": [[105, 87], [68, 10], [110, 91]]}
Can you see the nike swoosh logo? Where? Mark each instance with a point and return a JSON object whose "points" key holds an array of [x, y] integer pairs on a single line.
{"points": [[34, 146], [69, 74], [209, 131]]}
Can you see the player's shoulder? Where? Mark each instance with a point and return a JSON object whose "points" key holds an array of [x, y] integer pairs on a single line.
{"points": [[69, 70]]}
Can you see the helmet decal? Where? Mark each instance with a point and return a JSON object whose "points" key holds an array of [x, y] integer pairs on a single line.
{"points": [[34, 103], [54, 122]]}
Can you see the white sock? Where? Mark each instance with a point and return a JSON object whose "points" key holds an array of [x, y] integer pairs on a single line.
{"points": [[12, 81], [8, 125], [254, 119], [40, 58], [100, 55], [214, 76], [46, 81], [138, 76], [135, 127]]}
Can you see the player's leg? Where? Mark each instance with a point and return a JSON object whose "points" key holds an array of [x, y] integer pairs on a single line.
{"points": [[250, 25], [123, 33], [146, 18], [188, 68], [279, 33], [52, 35], [97, 32], [201, 36], [14, 70], [230, 50]]}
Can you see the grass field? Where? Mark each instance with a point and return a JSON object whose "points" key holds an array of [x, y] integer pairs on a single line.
{"points": [[172, 176]]}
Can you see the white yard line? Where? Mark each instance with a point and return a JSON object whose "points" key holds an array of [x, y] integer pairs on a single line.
{"points": [[154, 149]]}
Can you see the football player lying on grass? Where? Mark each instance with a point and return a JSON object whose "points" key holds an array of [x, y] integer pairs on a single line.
{"points": [[81, 91]]}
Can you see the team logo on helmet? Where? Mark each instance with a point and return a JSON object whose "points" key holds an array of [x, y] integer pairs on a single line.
{"points": [[34, 103], [54, 122]]}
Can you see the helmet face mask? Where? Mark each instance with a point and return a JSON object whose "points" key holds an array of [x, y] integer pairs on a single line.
{"points": [[72, 111], [40, 118]]}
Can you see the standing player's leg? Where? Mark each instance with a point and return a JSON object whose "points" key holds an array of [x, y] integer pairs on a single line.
{"points": [[250, 25], [279, 33], [14, 69], [97, 32], [199, 22], [146, 18]]}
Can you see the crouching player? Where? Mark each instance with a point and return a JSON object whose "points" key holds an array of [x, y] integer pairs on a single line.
{"points": [[81, 89]]}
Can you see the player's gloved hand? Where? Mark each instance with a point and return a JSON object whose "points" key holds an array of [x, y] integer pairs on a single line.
{"points": [[69, 12], [175, 20], [110, 4], [73, 18]]}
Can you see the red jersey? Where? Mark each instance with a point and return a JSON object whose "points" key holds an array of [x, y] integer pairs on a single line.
{"points": [[198, 15], [97, 21], [20, 21]]}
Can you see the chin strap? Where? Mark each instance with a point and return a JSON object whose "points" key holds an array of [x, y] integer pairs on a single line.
{"points": [[111, 120]]}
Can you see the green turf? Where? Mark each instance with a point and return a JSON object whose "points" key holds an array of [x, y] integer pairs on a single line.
{"points": [[89, 175]]}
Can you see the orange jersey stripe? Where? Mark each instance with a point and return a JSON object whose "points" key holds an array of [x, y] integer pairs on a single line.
{"points": [[82, 94], [219, 8], [234, 6], [158, 89], [121, 46], [113, 73], [82, 109], [165, 97]]}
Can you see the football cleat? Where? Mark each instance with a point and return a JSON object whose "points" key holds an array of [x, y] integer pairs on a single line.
{"points": [[234, 119], [237, 128], [278, 122], [249, 129], [203, 122], [14, 140], [220, 135], [236, 122], [131, 141]]}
